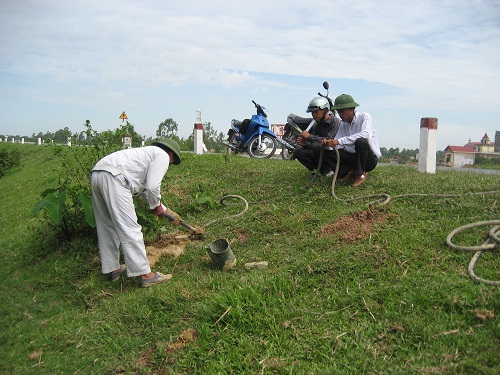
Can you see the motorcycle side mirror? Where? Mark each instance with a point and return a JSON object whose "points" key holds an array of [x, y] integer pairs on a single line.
{"points": [[326, 86]]}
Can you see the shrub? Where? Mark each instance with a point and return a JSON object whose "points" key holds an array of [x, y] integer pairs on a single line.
{"points": [[485, 161], [69, 204], [10, 157]]}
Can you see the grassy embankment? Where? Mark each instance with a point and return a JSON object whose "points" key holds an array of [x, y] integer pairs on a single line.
{"points": [[346, 291]]}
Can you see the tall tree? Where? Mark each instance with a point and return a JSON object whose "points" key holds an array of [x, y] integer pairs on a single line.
{"points": [[212, 140], [167, 129], [61, 136]]}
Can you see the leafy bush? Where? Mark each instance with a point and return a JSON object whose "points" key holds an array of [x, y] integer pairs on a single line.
{"points": [[69, 204], [484, 161], [10, 157]]}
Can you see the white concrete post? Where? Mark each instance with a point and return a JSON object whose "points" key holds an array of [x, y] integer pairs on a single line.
{"points": [[428, 145], [127, 141], [39, 141], [13, 141], [6, 139], [22, 140], [69, 141], [198, 134]]}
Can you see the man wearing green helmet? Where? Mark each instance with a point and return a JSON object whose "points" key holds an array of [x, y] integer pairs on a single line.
{"points": [[325, 126], [356, 140], [115, 180]]}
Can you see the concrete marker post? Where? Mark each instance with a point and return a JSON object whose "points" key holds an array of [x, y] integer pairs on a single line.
{"points": [[198, 134], [428, 145]]}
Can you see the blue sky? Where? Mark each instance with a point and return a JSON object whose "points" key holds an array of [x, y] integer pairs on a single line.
{"points": [[63, 62]]}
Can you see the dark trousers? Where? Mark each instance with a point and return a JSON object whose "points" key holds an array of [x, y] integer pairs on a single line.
{"points": [[309, 157], [363, 160]]}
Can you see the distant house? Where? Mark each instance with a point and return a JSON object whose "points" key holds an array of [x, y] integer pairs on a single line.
{"points": [[483, 147], [458, 156]]}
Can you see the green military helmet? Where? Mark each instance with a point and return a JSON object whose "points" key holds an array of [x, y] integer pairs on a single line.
{"points": [[170, 145], [318, 103], [344, 101]]}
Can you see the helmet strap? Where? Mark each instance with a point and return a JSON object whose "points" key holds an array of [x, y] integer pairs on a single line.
{"points": [[325, 111]]}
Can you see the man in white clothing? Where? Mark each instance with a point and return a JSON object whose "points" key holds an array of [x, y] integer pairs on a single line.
{"points": [[115, 180], [356, 141]]}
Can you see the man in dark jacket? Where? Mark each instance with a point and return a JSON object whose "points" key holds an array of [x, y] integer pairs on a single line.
{"points": [[325, 127]]}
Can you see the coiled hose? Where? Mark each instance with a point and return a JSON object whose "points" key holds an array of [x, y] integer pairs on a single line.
{"points": [[491, 243], [223, 202]]}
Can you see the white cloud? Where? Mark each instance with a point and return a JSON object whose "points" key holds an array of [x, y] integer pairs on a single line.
{"points": [[401, 58]]}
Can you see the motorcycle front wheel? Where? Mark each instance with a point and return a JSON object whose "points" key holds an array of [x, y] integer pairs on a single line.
{"points": [[262, 147]]}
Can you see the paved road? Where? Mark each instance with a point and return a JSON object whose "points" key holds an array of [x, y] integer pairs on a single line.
{"points": [[457, 169]]}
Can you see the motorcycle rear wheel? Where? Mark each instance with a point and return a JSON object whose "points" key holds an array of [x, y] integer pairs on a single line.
{"points": [[230, 139], [286, 154], [265, 150]]}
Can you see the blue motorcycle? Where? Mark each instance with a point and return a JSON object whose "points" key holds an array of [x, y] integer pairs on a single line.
{"points": [[252, 135]]}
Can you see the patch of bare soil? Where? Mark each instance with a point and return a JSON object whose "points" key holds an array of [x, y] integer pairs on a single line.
{"points": [[167, 245], [484, 314], [354, 227], [186, 337]]}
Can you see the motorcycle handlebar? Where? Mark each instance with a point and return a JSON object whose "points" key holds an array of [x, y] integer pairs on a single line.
{"points": [[327, 97]]}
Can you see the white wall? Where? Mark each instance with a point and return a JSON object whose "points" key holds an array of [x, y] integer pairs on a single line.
{"points": [[459, 160]]}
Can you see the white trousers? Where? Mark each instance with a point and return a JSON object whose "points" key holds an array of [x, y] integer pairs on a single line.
{"points": [[116, 224]]}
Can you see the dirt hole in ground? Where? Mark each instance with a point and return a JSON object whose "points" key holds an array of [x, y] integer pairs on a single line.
{"points": [[354, 227], [185, 338], [167, 245]]}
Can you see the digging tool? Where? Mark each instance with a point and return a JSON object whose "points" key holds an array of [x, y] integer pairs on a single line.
{"points": [[194, 230]]}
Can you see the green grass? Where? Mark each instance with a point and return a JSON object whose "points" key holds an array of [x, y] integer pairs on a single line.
{"points": [[396, 300]]}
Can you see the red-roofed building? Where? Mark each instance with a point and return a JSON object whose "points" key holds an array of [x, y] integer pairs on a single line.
{"points": [[458, 156], [483, 147]]}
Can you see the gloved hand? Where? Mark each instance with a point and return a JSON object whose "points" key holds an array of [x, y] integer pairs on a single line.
{"points": [[159, 210], [177, 219]]}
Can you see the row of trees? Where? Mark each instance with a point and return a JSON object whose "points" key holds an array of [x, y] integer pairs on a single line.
{"points": [[60, 136], [169, 128], [403, 156], [166, 129]]}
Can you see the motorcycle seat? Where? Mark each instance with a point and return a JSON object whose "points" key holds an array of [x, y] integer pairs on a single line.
{"points": [[301, 122]]}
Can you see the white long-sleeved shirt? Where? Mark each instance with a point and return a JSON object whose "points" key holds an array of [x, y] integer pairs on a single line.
{"points": [[362, 126], [143, 168]]}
